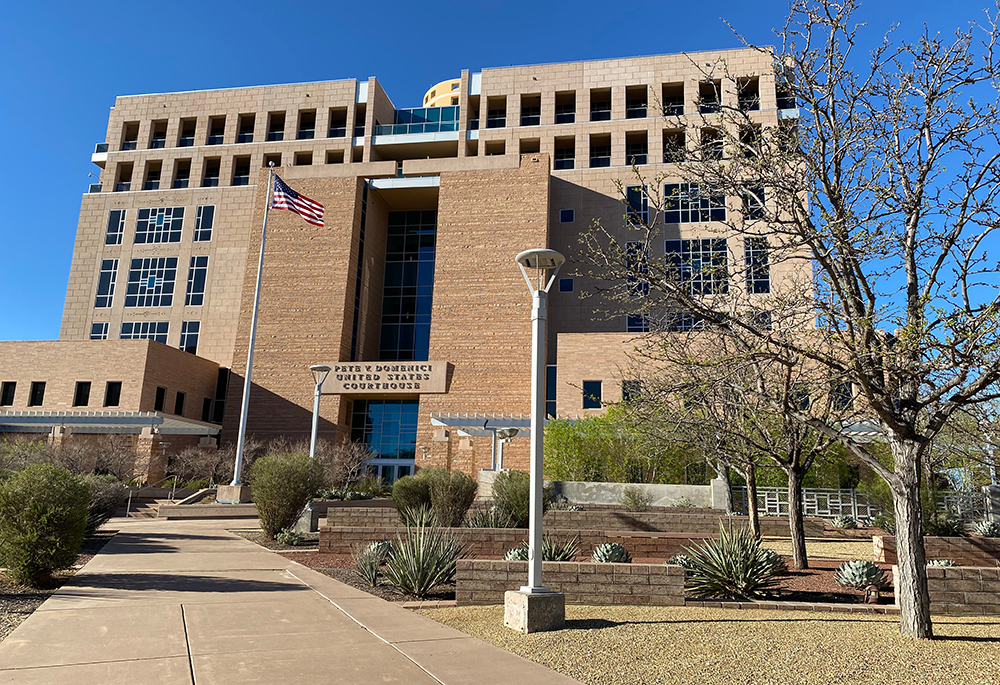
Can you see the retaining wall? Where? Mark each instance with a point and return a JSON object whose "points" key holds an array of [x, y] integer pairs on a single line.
{"points": [[971, 551], [495, 542], [479, 581], [963, 590]]}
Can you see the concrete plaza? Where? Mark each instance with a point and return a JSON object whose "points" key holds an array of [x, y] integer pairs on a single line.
{"points": [[189, 602]]}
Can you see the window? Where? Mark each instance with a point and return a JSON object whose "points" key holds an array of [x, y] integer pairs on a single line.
{"points": [[241, 171], [189, 336], [636, 148], [116, 227], [303, 158], [758, 271], [592, 394], [637, 323], [334, 156], [158, 135], [151, 282], [37, 394], [112, 393], [106, 283], [496, 112], [673, 99], [567, 216], [454, 101], [531, 110], [600, 151], [182, 173], [550, 390], [197, 274], [307, 125], [203, 223], [81, 397], [206, 409], [600, 104], [161, 399], [635, 102], [338, 123], [566, 107], [761, 320], [274, 160], [748, 94], [99, 331], [750, 145], [673, 147], [179, 403], [709, 97], [153, 170], [145, 330], [637, 263], [124, 175], [387, 427], [784, 96], [753, 204], [685, 203], [159, 225], [842, 395], [7, 389], [565, 285], [636, 206], [701, 263], [564, 156], [682, 322], [798, 397], [712, 145], [186, 138], [246, 126], [631, 390], [130, 135], [216, 130], [213, 168], [408, 288]]}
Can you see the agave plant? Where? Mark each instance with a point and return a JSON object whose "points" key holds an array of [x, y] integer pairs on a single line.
{"points": [[552, 550], [611, 553], [369, 560], [733, 567], [421, 560], [681, 560], [844, 522], [859, 574], [941, 562], [989, 529], [490, 518]]}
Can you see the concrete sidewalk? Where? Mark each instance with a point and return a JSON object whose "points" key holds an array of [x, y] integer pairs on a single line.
{"points": [[189, 602]]}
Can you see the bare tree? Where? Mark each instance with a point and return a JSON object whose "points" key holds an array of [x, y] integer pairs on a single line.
{"points": [[877, 205]]}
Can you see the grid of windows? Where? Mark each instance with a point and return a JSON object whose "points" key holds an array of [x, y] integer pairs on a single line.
{"points": [[99, 331], [685, 203], [116, 227], [701, 263], [387, 427], [159, 225], [409, 286], [145, 330], [106, 283], [637, 263], [681, 322], [758, 270], [203, 223], [197, 274], [637, 323], [190, 331], [151, 282]]}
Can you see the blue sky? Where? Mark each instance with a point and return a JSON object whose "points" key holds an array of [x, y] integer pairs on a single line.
{"points": [[63, 63]]}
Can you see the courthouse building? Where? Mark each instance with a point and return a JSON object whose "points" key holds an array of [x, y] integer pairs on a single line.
{"points": [[409, 290]]}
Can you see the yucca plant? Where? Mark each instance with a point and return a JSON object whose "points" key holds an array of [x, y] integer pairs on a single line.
{"points": [[860, 574], [421, 560], [733, 567], [369, 559], [490, 518], [990, 529], [552, 550], [420, 516], [611, 553], [941, 562]]}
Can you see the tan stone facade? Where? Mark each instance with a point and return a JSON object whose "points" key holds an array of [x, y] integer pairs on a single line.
{"points": [[535, 157]]}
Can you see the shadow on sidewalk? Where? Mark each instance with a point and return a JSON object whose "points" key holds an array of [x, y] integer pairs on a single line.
{"points": [[169, 582]]}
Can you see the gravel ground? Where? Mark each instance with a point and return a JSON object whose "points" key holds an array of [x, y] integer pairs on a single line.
{"points": [[311, 541], [817, 548], [619, 645]]}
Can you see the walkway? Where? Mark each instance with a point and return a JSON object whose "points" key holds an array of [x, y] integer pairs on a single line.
{"points": [[190, 603]]}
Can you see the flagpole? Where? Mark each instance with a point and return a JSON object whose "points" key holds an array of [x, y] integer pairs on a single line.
{"points": [[241, 442]]}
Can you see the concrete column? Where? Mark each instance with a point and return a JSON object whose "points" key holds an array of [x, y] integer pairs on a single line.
{"points": [[992, 493], [151, 457]]}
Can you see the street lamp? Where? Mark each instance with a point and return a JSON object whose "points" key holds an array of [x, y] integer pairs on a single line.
{"points": [[539, 262], [319, 374]]}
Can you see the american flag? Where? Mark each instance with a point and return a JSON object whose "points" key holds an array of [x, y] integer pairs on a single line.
{"points": [[286, 198]]}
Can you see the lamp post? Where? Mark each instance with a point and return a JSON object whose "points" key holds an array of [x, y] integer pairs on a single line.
{"points": [[319, 374], [540, 262]]}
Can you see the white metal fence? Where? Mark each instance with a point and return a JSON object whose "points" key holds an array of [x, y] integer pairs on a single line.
{"points": [[965, 506]]}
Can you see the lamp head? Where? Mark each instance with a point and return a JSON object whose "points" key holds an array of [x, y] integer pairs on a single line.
{"points": [[540, 260], [320, 372]]}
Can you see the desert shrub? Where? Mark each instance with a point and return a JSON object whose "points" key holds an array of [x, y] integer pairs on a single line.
{"points": [[107, 495], [684, 503], [844, 522], [635, 498], [369, 559], [733, 567], [372, 486], [512, 495], [43, 515], [611, 553], [18, 452], [944, 526], [563, 504], [452, 493], [282, 485], [552, 550], [289, 537], [421, 560], [859, 574], [411, 493], [885, 522], [942, 562], [343, 462], [989, 529], [489, 518]]}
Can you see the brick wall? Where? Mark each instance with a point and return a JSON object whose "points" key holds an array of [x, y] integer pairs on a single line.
{"points": [[484, 582], [963, 590], [493, 543], [970, 551]]}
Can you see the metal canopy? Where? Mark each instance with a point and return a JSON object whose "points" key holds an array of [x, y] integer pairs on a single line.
{"points": [[103, 422], [473, 425]]}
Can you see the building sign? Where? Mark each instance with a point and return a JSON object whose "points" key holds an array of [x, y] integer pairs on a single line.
{"points": [[388, 377]]}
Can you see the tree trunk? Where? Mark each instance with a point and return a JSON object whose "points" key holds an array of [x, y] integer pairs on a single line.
{"points": [[795, 522], [722, 471], [751, 476], [911, 581]]}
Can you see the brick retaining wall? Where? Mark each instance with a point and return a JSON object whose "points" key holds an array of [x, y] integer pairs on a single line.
{"points": [[493, 543], [964, 590], [970, 551], [677, 520], [479, 581]]}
